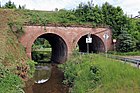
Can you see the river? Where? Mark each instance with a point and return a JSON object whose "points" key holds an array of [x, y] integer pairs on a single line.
{"points": [[47, 78]]}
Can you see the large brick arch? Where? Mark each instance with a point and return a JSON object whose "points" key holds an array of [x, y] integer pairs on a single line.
{"points": [[54, 57], [32, 33], [31, 41], [70, 35]]}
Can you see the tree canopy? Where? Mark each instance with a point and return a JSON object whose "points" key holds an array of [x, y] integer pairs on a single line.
{"points": [[10, 5]]}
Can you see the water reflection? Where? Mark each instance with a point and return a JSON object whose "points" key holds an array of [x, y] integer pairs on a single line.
{"points": [[42, 73], [47, 79]]}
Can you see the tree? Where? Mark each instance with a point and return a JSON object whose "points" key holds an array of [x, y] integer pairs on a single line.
{"points": [[19, 7], [0, 4], [56, 9], [10, 5], [23, 7], [134, 30], [114, 17], [125, 42]]}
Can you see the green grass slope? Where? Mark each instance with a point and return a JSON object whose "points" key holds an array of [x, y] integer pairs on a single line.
{"points": [[13, 60], [98, 74]]}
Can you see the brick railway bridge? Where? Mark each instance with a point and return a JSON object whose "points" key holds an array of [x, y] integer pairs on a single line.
{"points": [[64, 40]]}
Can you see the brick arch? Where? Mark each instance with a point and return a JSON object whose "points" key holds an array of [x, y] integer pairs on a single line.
{"points": [[38, 34], [83, 34], [93, 34], [78, 37]]}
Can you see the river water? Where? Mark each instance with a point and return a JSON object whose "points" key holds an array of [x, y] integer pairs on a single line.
{"points": [[47, 78]]}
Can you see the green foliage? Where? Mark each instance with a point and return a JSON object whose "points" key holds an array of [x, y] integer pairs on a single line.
{"points": [[41, 50], [31, 65], [9, 82], [81, 74], [40, 43], [113, 17], [10, 5], [41, 56], [126, 43], [134, 30], [97, 74]]}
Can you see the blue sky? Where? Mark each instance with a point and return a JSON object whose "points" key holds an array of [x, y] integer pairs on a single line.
{"points": [[129, 6]]}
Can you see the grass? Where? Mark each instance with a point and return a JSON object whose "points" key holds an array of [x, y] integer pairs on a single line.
{"points": [[9, 82], [117, 77], [12, 54], [98, 74]]}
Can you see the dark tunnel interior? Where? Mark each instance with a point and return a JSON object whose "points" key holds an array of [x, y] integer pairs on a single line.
{"points": [[96, 46], [59, 47]]}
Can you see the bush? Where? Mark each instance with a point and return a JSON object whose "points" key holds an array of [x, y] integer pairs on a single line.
{"points": [[125, 42], [81, 74]]}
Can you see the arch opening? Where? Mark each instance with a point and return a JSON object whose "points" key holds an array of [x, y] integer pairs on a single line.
{"points": [[96, 46], [58, 48]]}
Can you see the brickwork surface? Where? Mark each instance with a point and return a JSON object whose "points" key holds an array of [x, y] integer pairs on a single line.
{"points": [[70, 35]]}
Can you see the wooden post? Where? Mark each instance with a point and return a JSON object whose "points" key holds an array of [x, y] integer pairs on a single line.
{"points": [[137, 64]]}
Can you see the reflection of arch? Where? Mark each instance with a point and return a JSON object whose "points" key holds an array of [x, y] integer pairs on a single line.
{"points": [[96, 46], [58, 43]]}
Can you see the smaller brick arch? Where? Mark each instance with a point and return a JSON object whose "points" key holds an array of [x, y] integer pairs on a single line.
{"points": [[96, 46], [98, 32]]}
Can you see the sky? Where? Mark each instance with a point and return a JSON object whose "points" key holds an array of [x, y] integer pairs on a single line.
{"points": [[130, 7]]}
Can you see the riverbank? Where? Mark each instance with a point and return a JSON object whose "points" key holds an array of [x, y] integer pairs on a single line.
{"points": [[97, 74]]}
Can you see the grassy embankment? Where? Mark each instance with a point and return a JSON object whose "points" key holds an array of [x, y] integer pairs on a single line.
{"points": [[97, 74], [13, 60]]}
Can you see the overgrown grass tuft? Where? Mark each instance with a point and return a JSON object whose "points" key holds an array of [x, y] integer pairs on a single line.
{"points": [[98, 74]]}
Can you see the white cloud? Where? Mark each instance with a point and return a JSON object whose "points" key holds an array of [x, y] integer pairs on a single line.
{"points": [[129, 6]]}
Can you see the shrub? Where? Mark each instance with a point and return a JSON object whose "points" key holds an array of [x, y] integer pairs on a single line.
{"points": [[125, 42], [81, 74]]}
